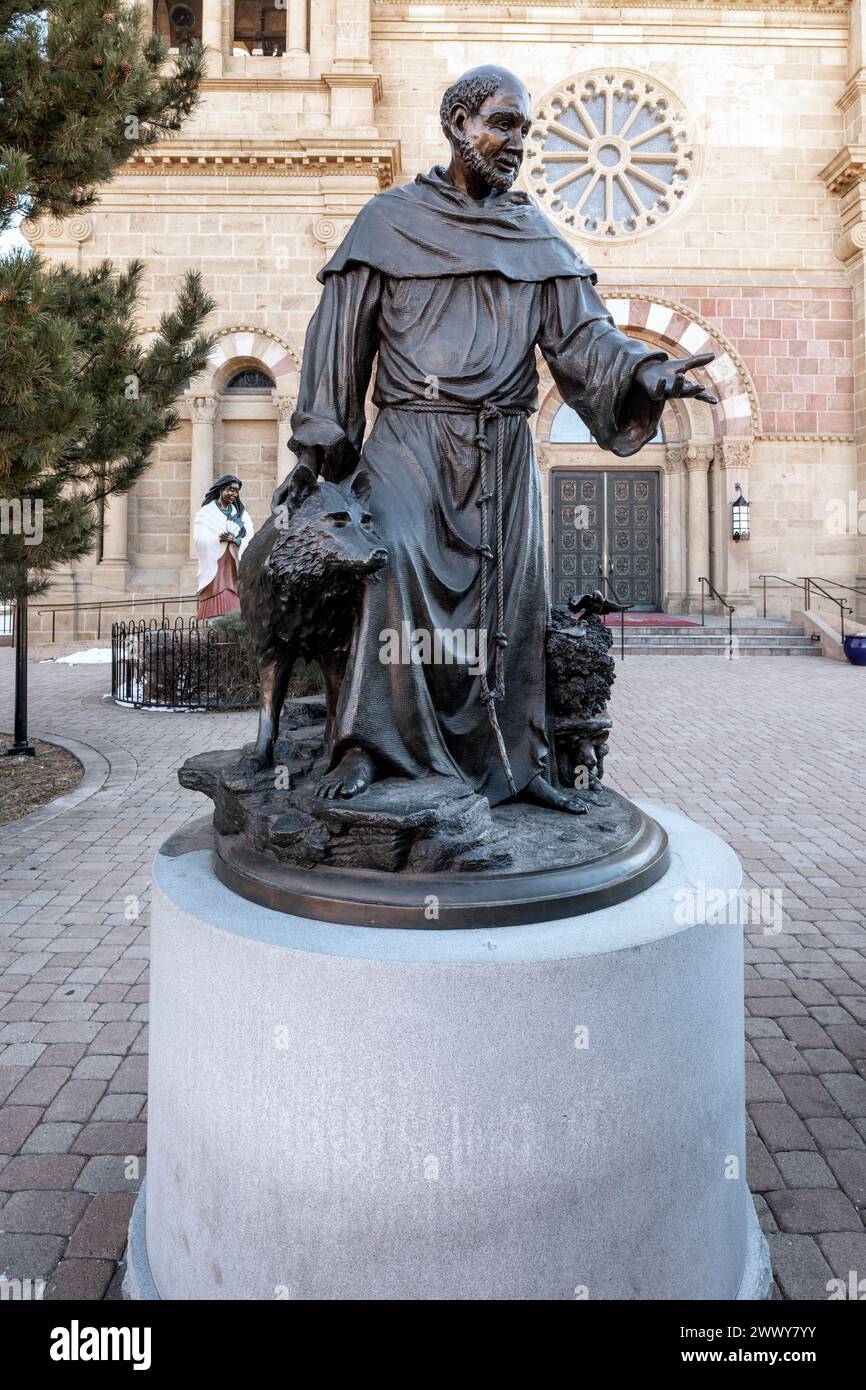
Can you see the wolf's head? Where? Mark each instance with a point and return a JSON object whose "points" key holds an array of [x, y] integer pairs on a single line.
{"points": [[325, 528]]}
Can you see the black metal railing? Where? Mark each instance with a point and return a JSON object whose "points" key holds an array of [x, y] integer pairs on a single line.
{"points": [[835, 583], [816, 582], [702, 580], [792, 583], [185, 665], [163, 602], [814, 585]]}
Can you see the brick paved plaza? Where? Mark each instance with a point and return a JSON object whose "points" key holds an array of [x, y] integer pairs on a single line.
{"points": [[768, 752]]}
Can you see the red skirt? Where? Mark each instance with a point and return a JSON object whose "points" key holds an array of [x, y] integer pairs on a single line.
{"points": [[221, 594]]}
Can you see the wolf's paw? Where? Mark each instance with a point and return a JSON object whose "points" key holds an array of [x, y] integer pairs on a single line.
{"points": [[249, 773]]}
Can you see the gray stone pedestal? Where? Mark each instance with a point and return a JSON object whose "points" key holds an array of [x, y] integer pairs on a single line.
{"points": [[552, 1111]]}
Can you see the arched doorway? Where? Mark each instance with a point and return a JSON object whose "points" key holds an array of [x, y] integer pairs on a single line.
{"points": [[246, 433], [703, 452], [604, 517]]}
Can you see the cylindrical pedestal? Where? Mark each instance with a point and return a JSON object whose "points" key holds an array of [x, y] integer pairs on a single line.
{"points": [[552, 1111]]}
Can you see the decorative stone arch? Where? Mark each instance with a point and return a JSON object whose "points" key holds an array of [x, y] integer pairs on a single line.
{"points": [[211, 411], [704, 447], [237, 348], [681, 332]]}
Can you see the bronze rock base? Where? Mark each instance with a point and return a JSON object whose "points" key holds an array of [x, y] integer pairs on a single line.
{"points": [[427, 854]]}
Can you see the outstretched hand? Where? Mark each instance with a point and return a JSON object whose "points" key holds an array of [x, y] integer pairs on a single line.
{"points": [[665, 380]]}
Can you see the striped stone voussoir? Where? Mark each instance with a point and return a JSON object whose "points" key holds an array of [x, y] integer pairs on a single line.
{"points": [[684, 335]]}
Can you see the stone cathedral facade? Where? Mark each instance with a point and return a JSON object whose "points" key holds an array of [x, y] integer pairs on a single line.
{"points": [[708, 158]]}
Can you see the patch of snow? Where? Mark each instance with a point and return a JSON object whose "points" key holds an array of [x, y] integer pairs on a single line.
{"points": [[94, 656], [159, 709]]}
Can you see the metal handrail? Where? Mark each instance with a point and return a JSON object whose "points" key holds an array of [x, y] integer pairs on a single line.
{"points": [[794, 583], [702, 580], [810, 583], [103, 604], [849, 588]]}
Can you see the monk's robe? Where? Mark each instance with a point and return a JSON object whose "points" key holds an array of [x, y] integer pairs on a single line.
{"points": [[455, 297]]}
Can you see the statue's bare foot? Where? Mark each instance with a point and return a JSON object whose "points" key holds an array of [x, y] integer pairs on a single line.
{"points": [[352, 775], [541, 793]]}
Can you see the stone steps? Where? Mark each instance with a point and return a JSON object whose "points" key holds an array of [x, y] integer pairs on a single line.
{"points": [[719, 650], [746, 639], [665, 633], [750, 639]]}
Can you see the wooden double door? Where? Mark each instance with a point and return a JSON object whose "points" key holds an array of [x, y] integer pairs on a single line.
{"points": [[605, 523]]}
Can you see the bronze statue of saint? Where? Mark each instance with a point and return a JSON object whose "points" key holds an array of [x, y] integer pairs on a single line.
{"points": [[455, 281]]}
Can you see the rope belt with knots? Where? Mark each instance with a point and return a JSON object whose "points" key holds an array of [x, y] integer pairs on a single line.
{"points": [[486, 411]]}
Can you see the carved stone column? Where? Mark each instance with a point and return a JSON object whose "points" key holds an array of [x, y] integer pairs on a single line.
{"points": [[113, 570], [296, 59], [733, 458], [698, 461], [845, 176], [285, 409], [114, 537], [850, 181], [212, 35], [354, 87], [352, 32], [674, 550], [203, 411], [852, 250]]}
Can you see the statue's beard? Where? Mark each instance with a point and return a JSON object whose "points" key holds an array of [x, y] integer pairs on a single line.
{"points": [[486, 169]]}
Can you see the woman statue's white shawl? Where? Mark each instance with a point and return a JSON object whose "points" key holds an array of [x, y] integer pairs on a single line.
{"points": [[211, 523]]}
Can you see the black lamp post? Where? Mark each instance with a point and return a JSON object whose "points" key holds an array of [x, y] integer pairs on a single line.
{"points": [[740, 516], [21, 744]]}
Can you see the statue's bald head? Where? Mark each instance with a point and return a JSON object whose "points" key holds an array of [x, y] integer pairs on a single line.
{"points": [[473, 88]]}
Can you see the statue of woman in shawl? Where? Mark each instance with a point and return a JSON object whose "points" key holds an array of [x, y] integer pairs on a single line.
{"points": [[455, 281], [222, 530]]}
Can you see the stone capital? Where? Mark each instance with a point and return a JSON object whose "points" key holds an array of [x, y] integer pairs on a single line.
{"points": [[203, 409], [57, 231], [329, 231], [734, 454], [285, 405], [852, 242], [675, 457], [699, 457]]}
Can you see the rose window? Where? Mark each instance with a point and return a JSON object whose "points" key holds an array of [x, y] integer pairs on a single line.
{"points": [[611, 155]]}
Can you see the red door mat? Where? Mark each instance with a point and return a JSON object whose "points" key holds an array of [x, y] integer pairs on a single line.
{"points": [[650, 620]]}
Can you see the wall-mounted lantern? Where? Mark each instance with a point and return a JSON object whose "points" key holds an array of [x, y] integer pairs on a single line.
{"points": [[740, 516]]}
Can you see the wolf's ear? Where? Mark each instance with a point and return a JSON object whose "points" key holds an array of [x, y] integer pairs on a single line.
{"points": [[361, 485], [294, 489]]}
